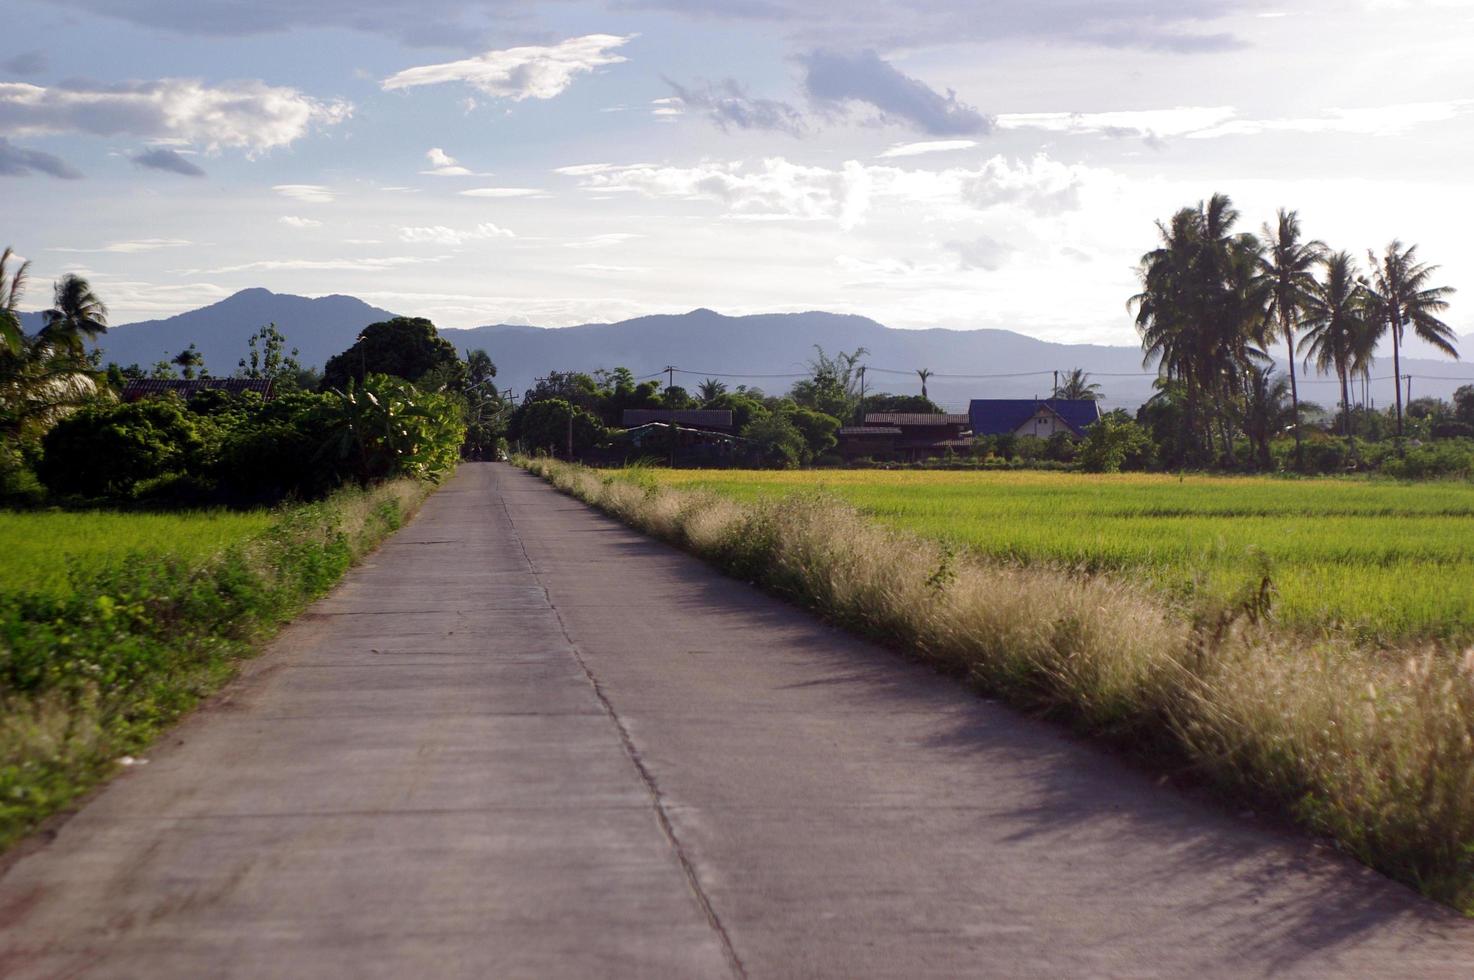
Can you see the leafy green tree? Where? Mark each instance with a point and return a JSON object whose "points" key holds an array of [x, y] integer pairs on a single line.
{"points": [[42, 378], [107, 450], [676, 398], [743, 407], [1288, 266], [906, 404], [818, 429], [267, 357], [385, 427], [545, 425], [188, 361], [1399, 298], [404, 347], [833, 383], [773, 440], [1113, 442], [1267, 410]]}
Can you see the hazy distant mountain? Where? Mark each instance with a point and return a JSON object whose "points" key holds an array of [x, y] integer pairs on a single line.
{"points": [[319, 328], [760, 350]]}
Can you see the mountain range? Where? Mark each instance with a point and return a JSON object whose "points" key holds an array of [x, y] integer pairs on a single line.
{"points": [[764, 350]]}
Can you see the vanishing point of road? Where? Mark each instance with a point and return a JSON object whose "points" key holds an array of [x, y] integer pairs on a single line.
{"points": [[523, 740]]}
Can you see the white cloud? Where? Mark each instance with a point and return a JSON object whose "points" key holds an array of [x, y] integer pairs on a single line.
{"points": [[583, 169], [133, 247], [292, 221], [249, 115], [603, 241], [927, 146], [441, 235], [1367, 121], [530, 72], [1177, 121], [982, 252], [442, 164], [320, 265], [308, 193], [503, 192], [776, 189]]}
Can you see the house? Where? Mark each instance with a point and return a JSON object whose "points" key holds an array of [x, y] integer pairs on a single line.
{"points": [[159, 387], [907, 436], [1032, 416], [705, 419]]}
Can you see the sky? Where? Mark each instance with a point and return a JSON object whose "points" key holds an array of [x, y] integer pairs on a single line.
{"points": [[927, 163]]}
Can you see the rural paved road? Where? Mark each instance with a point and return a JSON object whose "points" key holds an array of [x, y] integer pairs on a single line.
{"points": [[524, 741]]}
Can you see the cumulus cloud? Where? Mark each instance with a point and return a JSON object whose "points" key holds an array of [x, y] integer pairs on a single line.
{"points": [[836, 80], [982, 252], [442, 164], [307, 193], [777, 189], [17, 161], [441, 235], [530, 72], [728, 105], [167, 160], [293, 221], [251, 115]]}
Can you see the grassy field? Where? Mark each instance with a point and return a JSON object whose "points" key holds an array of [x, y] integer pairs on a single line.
{"points": [[1388, 561], [38, 547]]}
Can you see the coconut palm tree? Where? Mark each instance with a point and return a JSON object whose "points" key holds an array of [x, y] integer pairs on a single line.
{"points": [[710, 390], [12, 286], [1401, 297], [1288, 265], [923, 374], [1334, 321], [76, 313], [1077, 385]]}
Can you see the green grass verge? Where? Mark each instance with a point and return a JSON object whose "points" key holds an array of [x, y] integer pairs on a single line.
{"points": [[93, 670], [1369, 747], [1388, 562]]}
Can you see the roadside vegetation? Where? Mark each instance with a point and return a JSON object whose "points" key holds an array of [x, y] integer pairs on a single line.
{"points": [[1371, 747], [1385, 561], [152, 540]]}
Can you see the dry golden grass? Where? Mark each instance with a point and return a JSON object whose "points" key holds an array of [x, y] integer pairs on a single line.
{"points": [[1372, 749]]}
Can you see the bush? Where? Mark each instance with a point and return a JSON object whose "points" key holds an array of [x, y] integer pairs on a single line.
{"points": [[1454, 457], [107, 450], [1114, 443], [774, 441]]}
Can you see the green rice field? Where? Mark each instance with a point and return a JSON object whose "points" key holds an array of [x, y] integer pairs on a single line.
{"points": [[1389, 561], [38, 547]]}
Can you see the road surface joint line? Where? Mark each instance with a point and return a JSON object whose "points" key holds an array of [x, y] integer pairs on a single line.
{"points": [[633, 753]]}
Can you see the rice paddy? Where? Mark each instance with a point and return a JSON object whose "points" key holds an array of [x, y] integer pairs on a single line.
{"points": [[1387, 561], [37, 548]]}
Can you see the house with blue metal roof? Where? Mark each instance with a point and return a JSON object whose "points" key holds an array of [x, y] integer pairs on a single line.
{"points": [[1041, 417]]}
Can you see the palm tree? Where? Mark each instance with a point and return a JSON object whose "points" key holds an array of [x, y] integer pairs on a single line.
{"points": [[187, 360], [12, 285], [923, 374], [1265, 411], [76, 313], [710, 390], [1078, 386], [1400, 297], [1335, 316], [1288, 264]]}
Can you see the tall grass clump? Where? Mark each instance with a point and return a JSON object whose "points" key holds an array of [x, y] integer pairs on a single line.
{"points": [[91, 673], [1373, 749]]}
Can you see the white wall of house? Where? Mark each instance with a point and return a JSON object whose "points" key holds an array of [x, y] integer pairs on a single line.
{"points": [[1043, 424]]}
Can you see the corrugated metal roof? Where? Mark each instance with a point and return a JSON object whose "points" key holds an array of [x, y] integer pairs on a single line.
{"points": [[869, 430], [711, 418], [995, 416], [155, 387], [913, 419]]}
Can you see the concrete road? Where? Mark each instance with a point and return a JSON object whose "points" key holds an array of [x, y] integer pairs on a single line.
{"points": [[524, 741]]}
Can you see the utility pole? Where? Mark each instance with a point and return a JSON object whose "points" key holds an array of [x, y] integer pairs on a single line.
{"points": [[1409, 388], [862, 394], [670, 374], [570, 432], [1056, 384]]}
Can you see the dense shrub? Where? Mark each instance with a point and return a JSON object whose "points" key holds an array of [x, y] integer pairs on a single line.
{"points": [[107, 450], [1454, 457], [772, 440]]}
